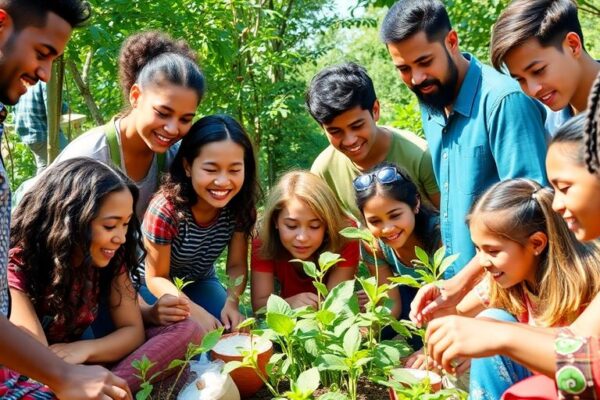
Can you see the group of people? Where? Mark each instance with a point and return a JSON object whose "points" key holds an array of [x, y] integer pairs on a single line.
{"points": [[506, 178]]}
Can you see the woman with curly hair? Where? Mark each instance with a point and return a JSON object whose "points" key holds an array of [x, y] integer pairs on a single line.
{"points": [[206, 205], [75, 243]]}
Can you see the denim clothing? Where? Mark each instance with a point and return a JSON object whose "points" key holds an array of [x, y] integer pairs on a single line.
{"points": [[494, 132], [492, 376], [207, 293], [4, 227]]}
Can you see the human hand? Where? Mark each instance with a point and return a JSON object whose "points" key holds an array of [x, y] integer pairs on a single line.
{"points": [[418, 360], [83, 382], [206, 320], [453, 338], [363, 299], [231, 316], [170, 309], [72, 353], [435, 300], [303, 299]]}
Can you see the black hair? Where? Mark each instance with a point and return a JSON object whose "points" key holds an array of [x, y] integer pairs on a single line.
{"points": [[409, 17], [548, 21], [403, 190], [26, 13], [153, 58], [572, 132], [177, 186], [338, 89], [592, 158], [53, 222]]}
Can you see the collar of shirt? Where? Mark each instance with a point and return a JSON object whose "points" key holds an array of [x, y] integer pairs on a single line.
{"points": [[463, 104]]}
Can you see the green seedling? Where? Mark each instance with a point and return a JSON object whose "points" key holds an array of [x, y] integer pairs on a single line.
{"points": [[143, 367], [180, 283], [326, 261]]}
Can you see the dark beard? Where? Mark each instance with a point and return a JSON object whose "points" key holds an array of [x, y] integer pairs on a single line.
{"points": [[5, 78], [445, 94]]}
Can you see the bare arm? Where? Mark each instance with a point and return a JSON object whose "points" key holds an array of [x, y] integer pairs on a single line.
{"points": [[237, 266], [24, 316]]}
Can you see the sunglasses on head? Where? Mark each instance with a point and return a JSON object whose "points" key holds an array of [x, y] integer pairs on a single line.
{"points": [[385, 175]]}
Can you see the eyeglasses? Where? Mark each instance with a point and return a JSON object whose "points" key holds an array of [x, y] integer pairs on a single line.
{"points": [[385, 176]]}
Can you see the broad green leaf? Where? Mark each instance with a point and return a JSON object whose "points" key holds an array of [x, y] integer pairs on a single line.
{"points": [[341, 299], [311, 347], [175, 364], [276, 304], [405, 280], [321, 288], [308, 381], [362, 362], [232, 365], [309, 268], [355, 233], [326, 317], [145, 392], [352, 341], [370, 287], [280, 323], [328, 260], [236, 282], [422, 256], [448, 261], [246, 323], [211, 339], [438, 256], [330, 362]]}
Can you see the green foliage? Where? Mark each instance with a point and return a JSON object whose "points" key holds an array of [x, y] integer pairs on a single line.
{"points": [[180, 283]]}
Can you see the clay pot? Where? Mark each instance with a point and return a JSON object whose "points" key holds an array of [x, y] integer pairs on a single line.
{"points": [[228, 349], [419, 375]]}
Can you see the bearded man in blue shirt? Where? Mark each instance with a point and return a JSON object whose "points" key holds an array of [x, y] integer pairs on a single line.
{"points": [[480, 127]]}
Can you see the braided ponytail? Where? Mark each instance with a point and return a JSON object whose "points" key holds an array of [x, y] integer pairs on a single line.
{"points": [[592, 158]]}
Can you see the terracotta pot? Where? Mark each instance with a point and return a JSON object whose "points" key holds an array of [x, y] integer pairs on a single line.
{"points": [[435, 380], [246, 379]]}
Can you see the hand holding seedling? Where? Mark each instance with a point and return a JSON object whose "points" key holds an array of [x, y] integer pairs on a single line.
{"points": [[450, 339], [231, 316], [170, 309]]}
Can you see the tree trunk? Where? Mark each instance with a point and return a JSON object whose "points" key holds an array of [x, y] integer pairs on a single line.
{"points": [[54, 107], [86, 93]]}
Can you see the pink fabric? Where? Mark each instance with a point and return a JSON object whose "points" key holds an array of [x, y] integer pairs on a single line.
{"points": [[163, 345], [538, 387]]}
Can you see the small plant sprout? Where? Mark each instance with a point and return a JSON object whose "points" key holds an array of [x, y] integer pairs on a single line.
{"points": [[306, 384], [180, 283], [144, 365], [430, 269], [326, 261]]}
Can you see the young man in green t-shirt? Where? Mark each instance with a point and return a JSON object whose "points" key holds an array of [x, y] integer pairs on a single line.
{"points": [[342, 100]]}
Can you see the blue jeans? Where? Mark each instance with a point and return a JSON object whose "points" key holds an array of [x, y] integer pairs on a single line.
{"points": [[491, 376], [208, 294]]}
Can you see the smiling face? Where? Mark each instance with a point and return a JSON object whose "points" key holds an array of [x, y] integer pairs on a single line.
{"points": [[389, 220], [541, 72], [217, 173], [576, 191], [427, 68], [163, 114], [508, 262], [26, 56], [109, 228], [353, 132], [301, 232]]}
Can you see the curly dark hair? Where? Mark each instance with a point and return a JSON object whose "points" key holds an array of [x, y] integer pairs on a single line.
{"points": [[53, 221], [592, 149], [151, 58], [177, 187]]}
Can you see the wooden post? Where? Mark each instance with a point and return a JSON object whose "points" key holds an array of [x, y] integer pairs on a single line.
{"points": [[54, 107]]}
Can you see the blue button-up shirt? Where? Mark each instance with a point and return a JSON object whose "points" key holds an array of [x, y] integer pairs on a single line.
{"points": [[494, 132]]}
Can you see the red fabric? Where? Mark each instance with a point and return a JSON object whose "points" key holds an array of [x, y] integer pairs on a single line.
{"points": [[84, 294], [160, 220], [291, 277], [538, 387]]}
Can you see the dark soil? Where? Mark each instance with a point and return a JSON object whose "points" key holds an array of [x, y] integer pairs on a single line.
{"points": [[367, 390]]}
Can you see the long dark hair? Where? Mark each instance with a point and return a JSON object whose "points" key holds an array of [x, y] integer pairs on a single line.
{"points": [[177, 187], [404, 190], [53, 222]]}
